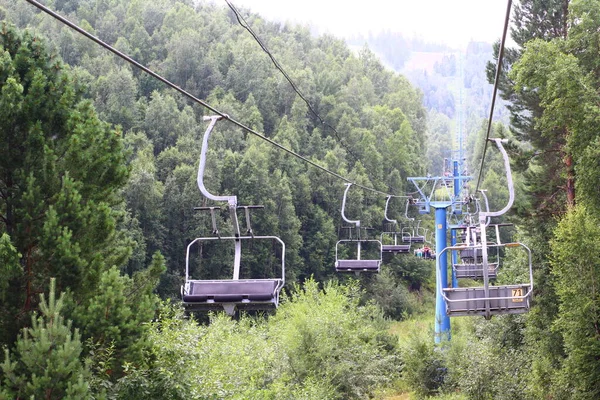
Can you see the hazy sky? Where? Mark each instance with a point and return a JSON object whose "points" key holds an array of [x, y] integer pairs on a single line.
{"points": [[454, 22]]}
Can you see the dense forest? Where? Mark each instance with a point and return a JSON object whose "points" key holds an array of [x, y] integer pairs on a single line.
{"points": [[98, 189]]}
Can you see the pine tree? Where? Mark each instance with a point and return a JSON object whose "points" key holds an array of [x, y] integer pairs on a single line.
{"points": [[45, 363], [115, 318], [543, 20], [60, 176]]}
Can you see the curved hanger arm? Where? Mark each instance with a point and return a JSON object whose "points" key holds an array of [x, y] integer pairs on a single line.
{"points": [[406, 211], [357, 222], [385, 215], [231, 200], [509, 180], [487, 206]]}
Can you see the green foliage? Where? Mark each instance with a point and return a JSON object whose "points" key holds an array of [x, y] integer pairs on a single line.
{"points": [[483, 370], [60, 178], [9, 262], [320, 345], [424, 369], [325, 335], [588, 170], [45, 362], [576, 275], [116, 316], [394, 298]]}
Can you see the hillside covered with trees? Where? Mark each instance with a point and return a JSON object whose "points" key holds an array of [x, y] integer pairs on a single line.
{"points": [[98, 189]]}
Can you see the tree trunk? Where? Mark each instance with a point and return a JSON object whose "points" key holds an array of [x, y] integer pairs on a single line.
{"points": [[570, 180]]}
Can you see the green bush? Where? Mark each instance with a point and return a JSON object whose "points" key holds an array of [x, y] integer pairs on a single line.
{"points": [[424, 367], [415, 272], [45, 363], [392, 295], [326, 335], [488, 360], [319, 345]]}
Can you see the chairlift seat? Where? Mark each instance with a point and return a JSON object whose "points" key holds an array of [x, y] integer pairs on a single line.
{"points": [[395, 248], [474, 270], [511, 299], [471, 256], [237, 294], [357, 265], [417, 239]]}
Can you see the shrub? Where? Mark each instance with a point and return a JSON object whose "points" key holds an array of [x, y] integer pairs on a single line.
{"points": [[392, 295], [424, 368], [319, 345]]}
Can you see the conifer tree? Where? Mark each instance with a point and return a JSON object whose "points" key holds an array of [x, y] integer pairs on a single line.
{"points": [[45, 363], [60, 174], [116, 316], [543, 20]]}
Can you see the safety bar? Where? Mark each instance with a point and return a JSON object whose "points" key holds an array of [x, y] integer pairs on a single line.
{"points": [[213, 217], [358, 254], [237, 239]]}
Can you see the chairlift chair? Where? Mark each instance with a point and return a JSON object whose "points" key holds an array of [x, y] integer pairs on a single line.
{"points": [[489, 300], [471, 264], [358, 264], [397, 247], [229, 294], [412, 233]]}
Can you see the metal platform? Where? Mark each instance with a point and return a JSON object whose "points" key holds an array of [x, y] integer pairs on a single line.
{"points": [[510, 299], [395, 248], [357, 266], [417, 239]]}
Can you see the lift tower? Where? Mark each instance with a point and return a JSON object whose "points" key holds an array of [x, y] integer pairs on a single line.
{"points": [[441, 193]]}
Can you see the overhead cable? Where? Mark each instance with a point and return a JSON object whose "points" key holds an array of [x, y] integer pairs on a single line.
{"points": [[496, 83], [242, 21], [192, 97]]}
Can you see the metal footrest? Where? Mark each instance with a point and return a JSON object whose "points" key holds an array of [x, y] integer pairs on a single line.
{"points": [[512, 299], [357, 265], [395, 248], [232, 294]]}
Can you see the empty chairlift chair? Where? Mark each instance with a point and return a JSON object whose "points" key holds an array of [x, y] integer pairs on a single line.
{"points": [[471, 259], [414, 233], [396, 246], [358, 264], [230, 294], [471, 263], [488, 300]]}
